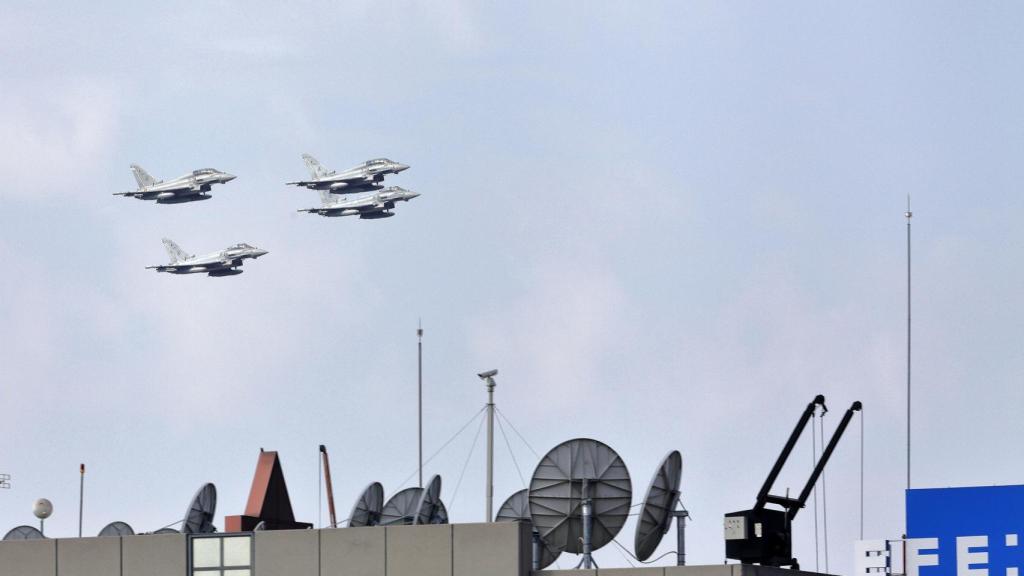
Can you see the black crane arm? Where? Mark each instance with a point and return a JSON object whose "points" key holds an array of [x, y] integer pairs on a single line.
{"points": [[824, 458], [762, 496]]}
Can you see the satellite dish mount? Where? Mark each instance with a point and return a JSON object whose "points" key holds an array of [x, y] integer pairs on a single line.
{"points": [[588, 527]]}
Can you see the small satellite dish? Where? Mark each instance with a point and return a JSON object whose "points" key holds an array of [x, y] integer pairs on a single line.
{"points": [[367, 509], [42, 508], [166, 531], [659, 503], [580, 496], [430, 509], [117, 528], [517, 509], [24, 533], [199, 516], [401, 508], [260, 527]]}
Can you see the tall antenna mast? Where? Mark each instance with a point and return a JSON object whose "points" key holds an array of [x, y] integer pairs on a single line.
{"points": [[908, 214], [419, 346]]}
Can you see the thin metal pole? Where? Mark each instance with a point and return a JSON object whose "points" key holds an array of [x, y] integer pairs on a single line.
{"points": [[681, 517], [535, 563], [908, 214], [490, 449], [81, 496], [862, 474], [329, 486], [320, 491], [419, 346]]}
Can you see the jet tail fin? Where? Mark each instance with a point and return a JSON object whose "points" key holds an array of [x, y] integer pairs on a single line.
{"points": [[175, 251], [315, 169], [142, 177]]}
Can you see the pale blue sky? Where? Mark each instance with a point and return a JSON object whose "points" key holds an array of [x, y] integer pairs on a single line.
{"points": [[668, 224]]}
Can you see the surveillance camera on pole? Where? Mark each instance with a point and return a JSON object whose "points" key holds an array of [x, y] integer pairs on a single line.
{"points": [[488, 377]]}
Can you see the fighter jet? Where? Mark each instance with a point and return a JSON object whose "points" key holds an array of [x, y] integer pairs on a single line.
{"points": [[223, 263], [364, 177], [187, 188], [367, 207]]}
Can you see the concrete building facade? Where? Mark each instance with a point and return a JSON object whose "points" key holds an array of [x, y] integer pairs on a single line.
{"points": [[498, 549]]}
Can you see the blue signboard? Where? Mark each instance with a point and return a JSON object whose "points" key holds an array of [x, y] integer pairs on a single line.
{"points": [[965, 531]]}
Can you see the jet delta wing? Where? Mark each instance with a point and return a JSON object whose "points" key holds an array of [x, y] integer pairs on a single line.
{"points": [[224, 263], [368, 207], [362, 178], [188, 188]]}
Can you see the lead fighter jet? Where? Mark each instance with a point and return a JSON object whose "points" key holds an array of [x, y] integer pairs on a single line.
{"points": [[368, 207], [364, 177], [223, 263], [187, 188]]}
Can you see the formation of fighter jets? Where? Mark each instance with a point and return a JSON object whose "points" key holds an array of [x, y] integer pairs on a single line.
{"points": [[334, 188]]}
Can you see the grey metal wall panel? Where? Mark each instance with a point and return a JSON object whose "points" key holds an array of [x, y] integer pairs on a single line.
{"points": [[419, 550], [89, 557], [28, 558], [353, 552], [753, 570], [287, 553], [154, 555], [712, 570], [491, 549]]}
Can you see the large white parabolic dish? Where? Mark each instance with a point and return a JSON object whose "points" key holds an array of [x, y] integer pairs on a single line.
{"points": [[117, 528], [401, 509], [24, 533], [367, 510], [199, 516], [556, 494], [659, 503], [430, 509]]}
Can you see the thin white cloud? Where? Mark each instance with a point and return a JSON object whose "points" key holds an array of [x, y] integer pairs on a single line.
{"points": [[53, 130]]}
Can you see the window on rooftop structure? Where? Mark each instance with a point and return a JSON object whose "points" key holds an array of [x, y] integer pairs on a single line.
{"points": [[220, 555]]}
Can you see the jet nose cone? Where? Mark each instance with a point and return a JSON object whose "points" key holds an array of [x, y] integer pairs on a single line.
{"points": [[259, 253], [411, 195], [401, 167], [228, 177]]}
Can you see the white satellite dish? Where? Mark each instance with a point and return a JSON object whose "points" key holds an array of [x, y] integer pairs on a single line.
{"points": [[430, 509], [580, 497], [658, 506], [517, 509], [24, 533], [117, 528], [199, 516], [402, 508], [367, 509]]}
